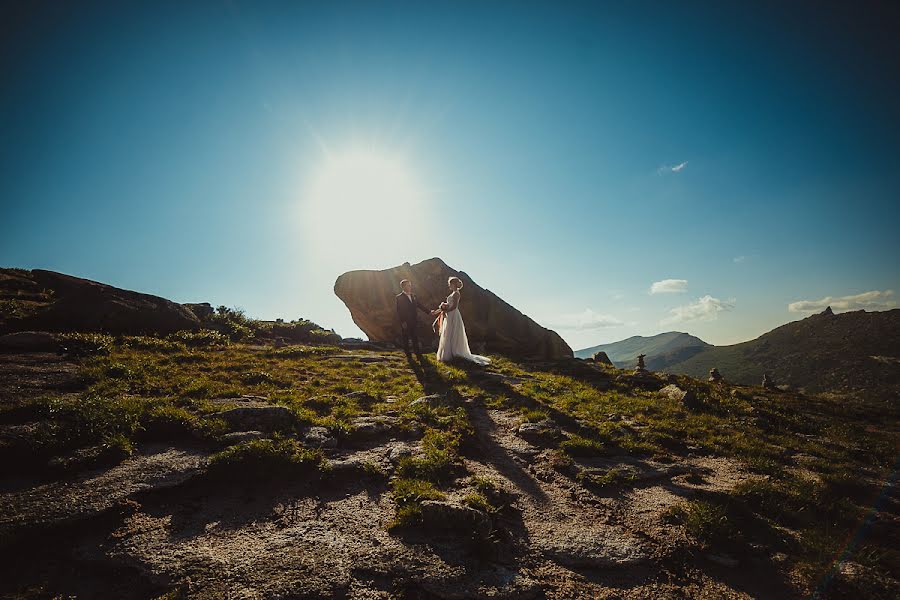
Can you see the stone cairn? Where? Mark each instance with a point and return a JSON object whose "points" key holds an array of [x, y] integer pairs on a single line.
{"points": [[641, 367], [714, 375], [768, 383]]}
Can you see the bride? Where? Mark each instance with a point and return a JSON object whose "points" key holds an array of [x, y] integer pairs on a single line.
{"points": [[454, 342]]}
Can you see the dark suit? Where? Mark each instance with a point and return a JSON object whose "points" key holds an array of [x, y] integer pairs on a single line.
{"points": [[406, 312]]}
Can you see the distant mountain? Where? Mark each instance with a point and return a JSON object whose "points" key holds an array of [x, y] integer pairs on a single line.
{"points": [[850, 352], [661, 350]]}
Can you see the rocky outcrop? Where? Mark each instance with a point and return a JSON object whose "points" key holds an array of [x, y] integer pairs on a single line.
{"points": [[602, 358], [491, 323], [28, 341], [66, 303]]}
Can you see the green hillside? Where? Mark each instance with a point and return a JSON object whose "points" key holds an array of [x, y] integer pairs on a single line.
{"points": [[851, 352], [661, 350]]}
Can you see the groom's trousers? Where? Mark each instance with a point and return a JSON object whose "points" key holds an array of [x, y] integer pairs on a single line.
{"points": [[408, 333]]}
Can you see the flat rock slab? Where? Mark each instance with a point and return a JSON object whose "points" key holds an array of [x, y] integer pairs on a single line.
{"points": [[595, 549], [636, 470], [67, 501]]}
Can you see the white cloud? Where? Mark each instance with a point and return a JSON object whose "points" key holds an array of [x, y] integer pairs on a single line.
{"points": [[672, 168], [584, 321], [706, 308], [739, 259], [874, 300], [669, 286]]}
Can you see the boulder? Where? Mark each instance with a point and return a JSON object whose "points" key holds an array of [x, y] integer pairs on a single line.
{"points": [[542, 433], [319, 437], [686, 397], [202, 310], [369, 428], [602, 358], [257, 417], [446, 516], [28, 341], [369, 295], [586, 548], [75, 304]]}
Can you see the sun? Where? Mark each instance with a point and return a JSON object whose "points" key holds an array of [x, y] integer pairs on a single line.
{"points": [[363, 200]]}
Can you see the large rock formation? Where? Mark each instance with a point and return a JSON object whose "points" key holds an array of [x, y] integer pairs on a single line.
{"points": [[492, 325], [50, 301]]}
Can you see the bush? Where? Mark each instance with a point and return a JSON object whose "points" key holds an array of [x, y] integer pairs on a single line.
{"points": [[233, 323], [153, 344], [305, 331], [199, 339]]}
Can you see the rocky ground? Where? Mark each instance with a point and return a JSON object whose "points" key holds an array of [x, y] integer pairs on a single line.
{"points": [[160, 520]]}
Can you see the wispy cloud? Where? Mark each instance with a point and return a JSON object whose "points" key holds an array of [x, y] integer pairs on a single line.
{"points": [[874, 300], [586, 320], [706, 308], [669, 286], [739, 259], [672, 168]]}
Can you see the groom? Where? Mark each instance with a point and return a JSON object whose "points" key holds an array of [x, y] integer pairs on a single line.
{"points": [[407, 304]]}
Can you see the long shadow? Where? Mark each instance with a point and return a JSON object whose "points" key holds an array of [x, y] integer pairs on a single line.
{"points": [[498, 456], [427, 376], [497, 387]]}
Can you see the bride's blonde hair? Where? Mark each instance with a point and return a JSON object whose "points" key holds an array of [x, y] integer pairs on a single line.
{"points": [[455, 283]]}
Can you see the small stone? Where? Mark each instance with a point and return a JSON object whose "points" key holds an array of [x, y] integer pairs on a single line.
{"points": [[431, 400], [541, 433], [319, 437], [714, 375], [236, 437], [721, 559], [399, 452]]}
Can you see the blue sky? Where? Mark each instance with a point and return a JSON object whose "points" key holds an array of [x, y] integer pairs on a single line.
{"points": [[567, 156]]}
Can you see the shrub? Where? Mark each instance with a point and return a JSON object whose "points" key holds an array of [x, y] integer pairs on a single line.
{"points": [[153, 344], [233, 323], [199, 339]]}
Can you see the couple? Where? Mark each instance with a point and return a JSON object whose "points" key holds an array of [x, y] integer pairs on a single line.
{"points": [[449, 324]]}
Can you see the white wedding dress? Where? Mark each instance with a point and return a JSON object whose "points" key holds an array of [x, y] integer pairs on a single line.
{"points": [[454, 343]]}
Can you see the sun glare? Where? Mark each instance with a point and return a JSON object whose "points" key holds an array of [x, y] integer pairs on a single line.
{"points": [[366, 197]]}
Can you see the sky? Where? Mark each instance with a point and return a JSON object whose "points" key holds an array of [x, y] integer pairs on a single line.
{"points": [[610, 169]]}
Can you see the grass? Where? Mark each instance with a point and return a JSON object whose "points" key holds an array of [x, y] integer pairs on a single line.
{"points": [[266, 459], [584, 447], [408, 494], [439, 459], [819, 461]]}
